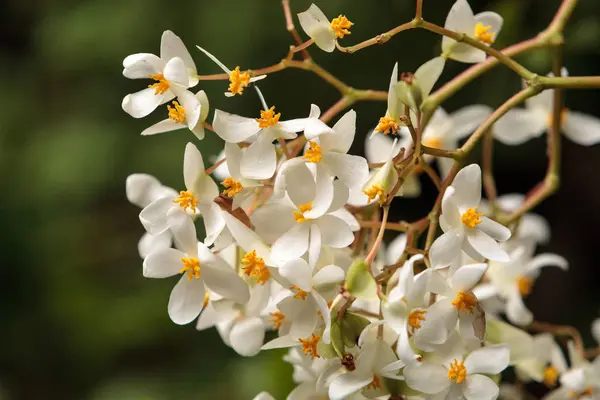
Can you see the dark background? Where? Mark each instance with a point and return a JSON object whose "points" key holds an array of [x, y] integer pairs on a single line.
{"points": [[78, 320]]}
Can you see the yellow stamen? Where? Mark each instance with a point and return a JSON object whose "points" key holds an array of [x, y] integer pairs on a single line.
{"points": [[238, 81], [176, 113], [313, 153], [415, 318], [191, 266], [309, 345], [550, 376], [471, 217], [254, 267], [341, 26], [277, 318], [482, 33], [268, 118], [375, 383], [563, 117], [206, 300], [232, 186], [457, 371], [587, 392], [433, 142], [387, 125], [186, 200], [300, 294], [299, 215], [464, 302], [162, 84], [525, 285], [374, 191]]}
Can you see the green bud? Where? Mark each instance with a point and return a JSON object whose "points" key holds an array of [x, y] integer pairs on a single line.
{"points": [[359, 281], [352, 327], [337, 339]]}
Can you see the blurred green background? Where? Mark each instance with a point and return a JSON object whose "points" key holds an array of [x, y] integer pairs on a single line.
{"points": [[78, 319]]}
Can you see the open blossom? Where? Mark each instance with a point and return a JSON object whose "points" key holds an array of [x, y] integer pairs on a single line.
{"points": [[390, 123], [483, 27], [546, 363], [173, 72], [464, 227], [200, 270], [324, 33], [580, 381], [522, 124], [236, 186]]}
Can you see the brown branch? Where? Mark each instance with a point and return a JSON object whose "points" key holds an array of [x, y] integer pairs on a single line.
{"points": [[289, 26]]}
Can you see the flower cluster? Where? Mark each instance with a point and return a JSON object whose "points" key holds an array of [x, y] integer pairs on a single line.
{"points": [[292, 238]]}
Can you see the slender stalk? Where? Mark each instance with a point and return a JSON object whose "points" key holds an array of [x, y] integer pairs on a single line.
{"points": [[419, 10], [379, 39], [289, 26], [489, 184], [375, 248]]}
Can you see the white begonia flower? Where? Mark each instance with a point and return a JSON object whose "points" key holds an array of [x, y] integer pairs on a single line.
{"points": [[259, 161], [174, 71], [201, 270], [483, 27], [390, 122], [546, 364], [198, 197], [238, 187], [464, 228], [459, 378], [581, 381], [413, 89], [238, 80], [191, 114], [369, 372], [381, 183], [312, 375], [141, 190], [522, 124], [306, 220], [514, 280], [324, 33]]}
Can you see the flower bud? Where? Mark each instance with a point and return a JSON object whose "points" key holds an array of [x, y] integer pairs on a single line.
{"points": [[359, 282]]}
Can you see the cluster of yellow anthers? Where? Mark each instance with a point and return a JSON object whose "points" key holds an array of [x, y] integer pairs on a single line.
{"points": [[268, 118], [255, 268], [232, 187], [238, 81]]}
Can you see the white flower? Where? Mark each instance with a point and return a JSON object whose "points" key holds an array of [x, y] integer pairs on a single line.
{"points": [[143, 189], [459, 378], [382, 182], [312, 375], [259, 161], [263, 396], [413, 89], [237, 80], [198, 197], [521, 124], [236, 185], [514, 280], [390, 122], [174, 71], [484, 27], [582, 381], [464, 227], [546, 364], [200, 269], [324, 33], [191, 114]]}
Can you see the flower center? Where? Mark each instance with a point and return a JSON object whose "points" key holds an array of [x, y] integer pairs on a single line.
{"points": [[471, 217], [375, 383], [161, 85], [313, 153], [238, 81], [254, 267], [186, 200], [587, 392], [563, 116], [192, 267], [415, 318], [374, 191], [232, 187], [268, 118], [300, 294], [277, 318], [457, 371], [482, 33], [176, 113], [464, 302], [309, 345], [524, 284], [299, 215], [387, 125], [550, 376], [341, 26], [433, 142]]}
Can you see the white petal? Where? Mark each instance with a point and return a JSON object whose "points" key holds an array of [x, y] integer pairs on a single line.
{"points": [[486, 246], [353, 171], [176, 72], [233, 155], [154, 216], [462, 52], [445, 249], [467, 186], [222, 280], [348, 218], [245, 237], [315, 242], [292, 126], [494, 230], [488, 360], [142, 103], [302, 187], [440, 319], [215, 60], [516, 311], [428, 74], [596, 330], [343, 133], [298, 273], [314, 126], [186, 301], [328, 276], [324, 193], [214, 222], [149, 243], [545, 260], [140, 189], [259, 161], [316, 25], [247, 336], [395, 249], [166, 125], [467, 119], [193, 166], [172, 46], [233, 128], [183, 229], [192, 107], [292, 244], [460, 18], [280, 342], [336, 232], [427, 378], [480, 387], [490, 18], [581, 128], [163, 263], [142, 65], [341, 193], [348, 383], [518, 126], [378, 148], [273, 220], [450, 212], [263, 396]]}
